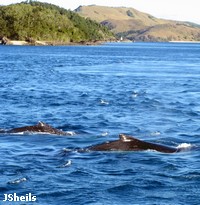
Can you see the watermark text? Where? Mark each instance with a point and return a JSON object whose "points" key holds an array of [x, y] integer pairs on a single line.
{"points": [[14, 197]]}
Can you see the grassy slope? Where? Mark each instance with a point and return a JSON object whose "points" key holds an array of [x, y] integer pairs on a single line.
{"points": [[136, 25]]}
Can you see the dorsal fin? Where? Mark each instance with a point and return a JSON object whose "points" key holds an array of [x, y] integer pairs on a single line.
{"points": [[125, 138], [41, 124]]}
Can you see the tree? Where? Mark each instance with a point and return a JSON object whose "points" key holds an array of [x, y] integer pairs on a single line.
{"points": [[42, 21]]}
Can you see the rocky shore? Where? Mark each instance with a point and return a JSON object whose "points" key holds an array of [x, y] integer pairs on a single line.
{"points": [[5, 41]]}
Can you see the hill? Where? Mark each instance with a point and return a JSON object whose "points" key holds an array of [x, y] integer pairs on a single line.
{"points": [[138, 26], [46, 22]]}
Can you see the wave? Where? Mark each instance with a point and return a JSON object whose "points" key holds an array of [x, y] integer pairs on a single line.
{"points": [[18, 181], [70, 133], [66, 164], [184, 146], [104, 102]]}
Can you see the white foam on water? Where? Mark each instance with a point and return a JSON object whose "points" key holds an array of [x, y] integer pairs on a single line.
{"points": [[156, 133], [103, 102], [184, 146], [104, 134], [67, 164], [18, 181], [71, 133]]}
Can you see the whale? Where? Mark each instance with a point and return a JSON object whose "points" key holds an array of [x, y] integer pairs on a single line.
{"points": [[124, 143], [41, 127], [130, 143]]}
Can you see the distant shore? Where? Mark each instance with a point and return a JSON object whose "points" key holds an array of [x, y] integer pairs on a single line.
{"points": [[184, 41], [50, 43]]}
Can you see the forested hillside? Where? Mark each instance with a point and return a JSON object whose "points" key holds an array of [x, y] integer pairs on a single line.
{"points": [[47, 22]]}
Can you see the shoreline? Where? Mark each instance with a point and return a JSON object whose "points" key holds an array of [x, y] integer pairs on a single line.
{"points": [[50, 43], [184, 41], [82, 43]]}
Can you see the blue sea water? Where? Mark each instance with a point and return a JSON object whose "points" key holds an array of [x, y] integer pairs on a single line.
{"points": [[148, 90]]}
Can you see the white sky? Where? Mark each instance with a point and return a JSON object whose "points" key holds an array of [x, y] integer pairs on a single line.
{"points": [[184, 10]]}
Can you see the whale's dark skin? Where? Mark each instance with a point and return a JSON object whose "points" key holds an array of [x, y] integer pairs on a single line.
{"points": [[124, 143], [41, 127], [129, 143]]}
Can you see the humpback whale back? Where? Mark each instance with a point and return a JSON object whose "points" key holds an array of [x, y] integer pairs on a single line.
{"points": [[125, 143], [129, 143], [41, 127]]}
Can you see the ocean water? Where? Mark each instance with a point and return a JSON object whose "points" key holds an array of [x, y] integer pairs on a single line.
{"points": [[148, 90]]}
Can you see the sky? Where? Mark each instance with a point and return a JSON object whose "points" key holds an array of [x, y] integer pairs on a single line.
{"points": [[183, 10]]}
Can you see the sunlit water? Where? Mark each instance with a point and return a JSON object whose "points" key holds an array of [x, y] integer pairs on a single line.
{"points": [[149, 90]]}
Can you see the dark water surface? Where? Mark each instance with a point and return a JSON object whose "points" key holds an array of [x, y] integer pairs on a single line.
{"points": [[149, 90]]}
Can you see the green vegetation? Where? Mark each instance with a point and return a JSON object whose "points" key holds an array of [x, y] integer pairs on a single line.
{"points": [[47, 22]]}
